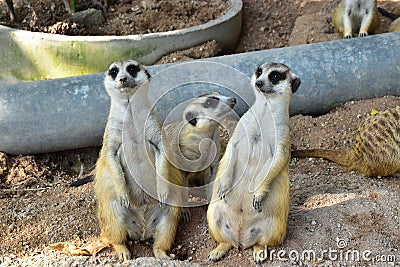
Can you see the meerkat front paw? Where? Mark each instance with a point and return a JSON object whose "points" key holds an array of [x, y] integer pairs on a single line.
{"points": [[347, 36], [258, 200], [221, 192], [162, 197], [124, 200], [362, 34]]}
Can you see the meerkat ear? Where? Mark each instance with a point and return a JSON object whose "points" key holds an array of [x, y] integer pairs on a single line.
{"points": [[191, 118], [295, 84]]}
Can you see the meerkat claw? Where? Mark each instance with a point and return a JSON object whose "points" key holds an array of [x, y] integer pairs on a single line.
{"points": [[257, 202], [186, 216], [124, 201], [221, 192], [162, 198]]}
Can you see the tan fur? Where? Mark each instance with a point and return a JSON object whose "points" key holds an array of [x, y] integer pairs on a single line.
{"points": [[129, 183], [250, 201], [356, 18], [191, 140], [376, 150], [395, 26]]}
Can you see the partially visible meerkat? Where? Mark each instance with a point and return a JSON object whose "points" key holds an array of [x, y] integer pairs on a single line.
{"points": [[130, 193], [395, 25], [250, 200], [376, 150], [191, 139], [356, 18]]}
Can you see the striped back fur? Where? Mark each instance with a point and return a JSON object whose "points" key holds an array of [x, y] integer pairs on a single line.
{"points": [[376, 149]]}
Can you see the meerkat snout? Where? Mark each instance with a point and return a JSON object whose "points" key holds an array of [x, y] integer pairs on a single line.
{"points": [[259, 84], [231, 102], [123, 80]]}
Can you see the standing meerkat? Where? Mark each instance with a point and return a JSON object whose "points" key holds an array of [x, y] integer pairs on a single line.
{"points": [[250, 201], [356, 18], [191, 139], [376, 150], [129, 185]]}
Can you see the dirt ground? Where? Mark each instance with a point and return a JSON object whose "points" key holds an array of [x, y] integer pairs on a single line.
{"points": [[117, 18], [334, 213]]}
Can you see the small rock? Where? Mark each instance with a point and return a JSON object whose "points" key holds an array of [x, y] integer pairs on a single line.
{"points": [[148, 4], [90, 18]]}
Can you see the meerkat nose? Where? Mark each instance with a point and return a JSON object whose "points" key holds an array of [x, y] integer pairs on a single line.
{"points": [[123, 80], [259, 84]]}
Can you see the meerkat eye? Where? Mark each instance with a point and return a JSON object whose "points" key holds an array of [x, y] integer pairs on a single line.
{"points": [[211, 102], [275, 77], [258, 72], [133, 70], [113, 72]]}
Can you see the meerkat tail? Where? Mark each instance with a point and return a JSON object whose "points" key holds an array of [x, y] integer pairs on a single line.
{"points": [[388, 14], [341, 157]]}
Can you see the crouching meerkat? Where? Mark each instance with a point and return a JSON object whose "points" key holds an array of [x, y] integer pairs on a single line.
{"points": [[250, 200], [376, 149], [356, 18], [395, 25], [191, 139], [129, 185]]}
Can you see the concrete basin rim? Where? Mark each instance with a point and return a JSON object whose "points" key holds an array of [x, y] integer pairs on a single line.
{"points": [[234, 10]]}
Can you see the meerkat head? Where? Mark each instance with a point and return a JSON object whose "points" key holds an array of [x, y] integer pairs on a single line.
{"points": [[275, 78], [208, 109], [123, 78]]}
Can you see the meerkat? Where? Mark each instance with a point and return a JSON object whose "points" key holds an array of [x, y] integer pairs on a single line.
{"points": [[376, 149], [131, 194], [200, 123], [250, 200], [395, 25], [356, 18]]}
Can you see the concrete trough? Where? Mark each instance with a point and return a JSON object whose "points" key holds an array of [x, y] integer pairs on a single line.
{"points": [[31, 56]]}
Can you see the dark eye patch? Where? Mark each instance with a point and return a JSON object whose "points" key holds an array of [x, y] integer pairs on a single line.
{"points": [[113, 72], [191, 118], [258, 72], [211, 102], [133, 70], [147, 74], [275, 77]]}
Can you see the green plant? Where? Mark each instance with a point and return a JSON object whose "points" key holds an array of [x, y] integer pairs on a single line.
{"points": [[69, 5], [72, 5]]}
